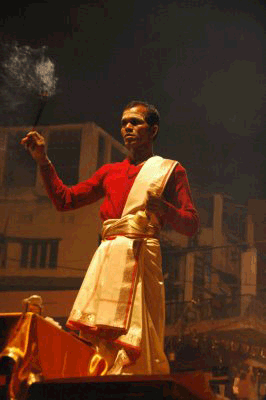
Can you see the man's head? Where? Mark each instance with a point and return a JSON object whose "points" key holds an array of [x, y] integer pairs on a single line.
{"points": [[152, 116], [139, 124]]}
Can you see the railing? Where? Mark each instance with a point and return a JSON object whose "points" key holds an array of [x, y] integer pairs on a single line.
{"points": [[220, 307]]}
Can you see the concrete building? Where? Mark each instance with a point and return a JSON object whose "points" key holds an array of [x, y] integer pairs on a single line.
{"points": [[220, 326], [257, 211], [43, 251], [215, 264]]}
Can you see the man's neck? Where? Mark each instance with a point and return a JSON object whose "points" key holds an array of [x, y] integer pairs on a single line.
{"points": [[139, 157]]}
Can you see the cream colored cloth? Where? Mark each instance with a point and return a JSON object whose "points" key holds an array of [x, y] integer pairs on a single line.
{"points": [[121, 299]]}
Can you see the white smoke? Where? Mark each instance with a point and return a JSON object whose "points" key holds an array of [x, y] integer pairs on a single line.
{"points": [[25, 73], [29, 70]]}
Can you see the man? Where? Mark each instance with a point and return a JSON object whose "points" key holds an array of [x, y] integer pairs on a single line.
{"points": [[120, 305]]}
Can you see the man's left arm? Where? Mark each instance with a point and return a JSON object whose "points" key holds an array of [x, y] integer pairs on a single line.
{"points": [[176, 207]]}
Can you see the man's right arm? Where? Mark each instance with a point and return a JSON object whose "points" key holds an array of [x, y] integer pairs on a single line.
{"points": [[63, 197]]}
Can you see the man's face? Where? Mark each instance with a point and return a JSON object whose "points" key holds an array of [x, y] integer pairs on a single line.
{"points": [[135, 131]]}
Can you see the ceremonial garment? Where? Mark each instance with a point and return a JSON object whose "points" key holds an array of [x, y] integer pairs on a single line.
{"points": [[121, 299]]}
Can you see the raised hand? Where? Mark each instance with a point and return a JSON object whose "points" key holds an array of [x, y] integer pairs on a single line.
{"points": [[35, 144]]}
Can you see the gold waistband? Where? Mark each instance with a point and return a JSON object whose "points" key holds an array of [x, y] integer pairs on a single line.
{"points": [[137, 226]]}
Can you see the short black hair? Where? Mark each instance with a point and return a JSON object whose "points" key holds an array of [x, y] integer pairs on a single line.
{"points": [[152, 116]]}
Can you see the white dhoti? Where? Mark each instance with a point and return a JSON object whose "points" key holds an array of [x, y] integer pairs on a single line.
{"points": [[120, 306]]}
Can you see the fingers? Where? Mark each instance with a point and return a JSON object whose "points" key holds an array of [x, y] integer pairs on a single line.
{"points": [[29, 137], [32, 139], [155, 204], [152, 199]]}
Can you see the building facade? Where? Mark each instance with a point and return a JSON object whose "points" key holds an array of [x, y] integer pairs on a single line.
{"points": [[219, 328], [42, 250]]}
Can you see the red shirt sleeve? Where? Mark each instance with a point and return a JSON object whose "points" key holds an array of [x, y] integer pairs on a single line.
{"points": [[70, 198], [181, 214]]}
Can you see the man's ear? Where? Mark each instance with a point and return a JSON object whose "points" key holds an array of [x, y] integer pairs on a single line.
{"points": [[154, 131]]}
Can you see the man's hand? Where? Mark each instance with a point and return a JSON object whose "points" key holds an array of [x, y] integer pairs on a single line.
{"points": [[35, 144], [156, 205]]}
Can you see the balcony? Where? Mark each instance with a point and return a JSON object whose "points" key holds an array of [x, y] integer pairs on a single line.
{"points": [[214, 309], [211, 334]]}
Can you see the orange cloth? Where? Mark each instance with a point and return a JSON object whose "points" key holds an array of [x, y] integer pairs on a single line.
{"points": [[40, 350]]}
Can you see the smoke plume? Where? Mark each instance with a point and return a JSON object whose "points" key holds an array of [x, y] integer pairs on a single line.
{"points": [[25, 72]]}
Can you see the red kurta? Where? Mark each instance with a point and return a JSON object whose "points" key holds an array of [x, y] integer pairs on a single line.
{"points": [[113, 182]]}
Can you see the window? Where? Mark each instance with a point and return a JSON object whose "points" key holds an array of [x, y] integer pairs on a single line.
{"points": [[20, 168], [202, 274], [39, 253], [234, 220], [199, 277], [25, 218], [64, 152], [204, 205]]}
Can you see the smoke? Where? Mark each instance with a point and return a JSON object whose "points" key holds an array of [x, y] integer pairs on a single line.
{"points": [[25, 72]]}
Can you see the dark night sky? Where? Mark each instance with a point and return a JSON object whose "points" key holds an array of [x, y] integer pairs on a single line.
{"points": [[202, 63]]}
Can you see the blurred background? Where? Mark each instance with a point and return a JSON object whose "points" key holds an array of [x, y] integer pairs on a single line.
{"points": [[202, 64]]}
